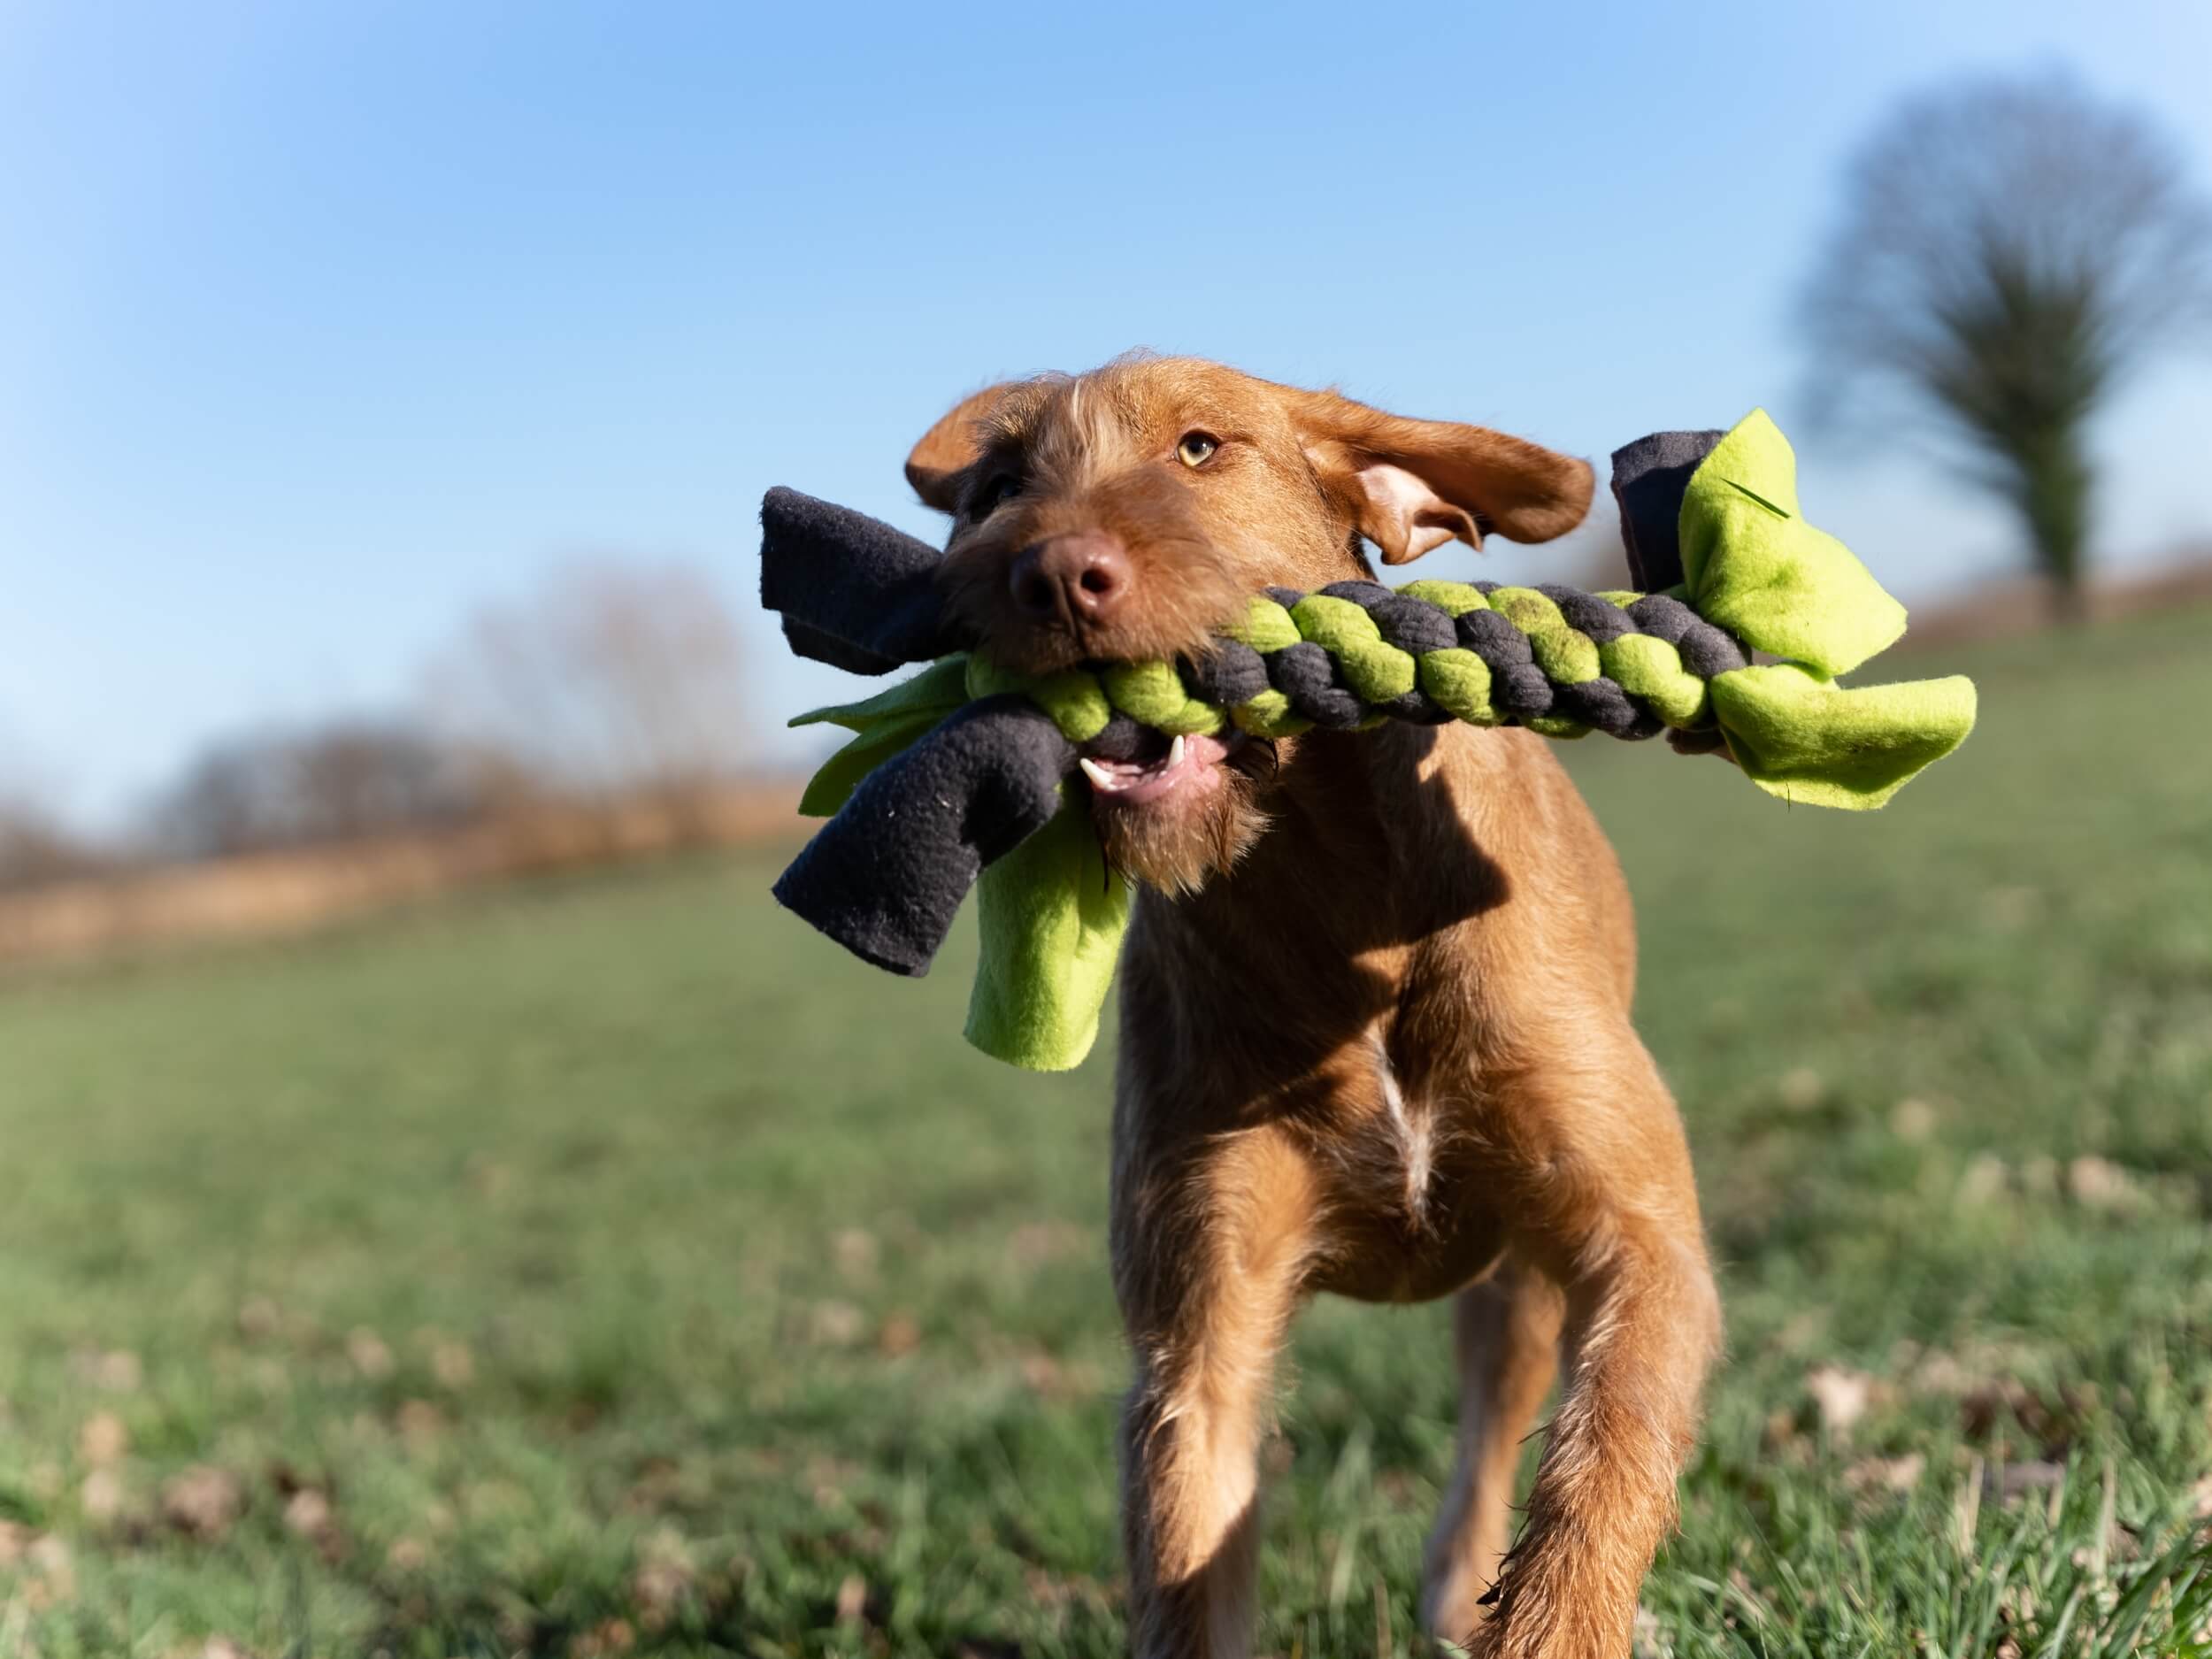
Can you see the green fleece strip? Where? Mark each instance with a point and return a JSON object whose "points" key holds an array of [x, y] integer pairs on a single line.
{"points": [[1052, 917]]}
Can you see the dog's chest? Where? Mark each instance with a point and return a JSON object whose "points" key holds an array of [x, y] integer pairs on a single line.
{"points": [[1407, 1217], [1407, 1133]]}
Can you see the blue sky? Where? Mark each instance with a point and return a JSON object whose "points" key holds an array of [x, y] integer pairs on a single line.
{"points": [[320, 325]]}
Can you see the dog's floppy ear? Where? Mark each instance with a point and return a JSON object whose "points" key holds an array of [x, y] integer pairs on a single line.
{"points": [[1413, 485], [948, 446]]}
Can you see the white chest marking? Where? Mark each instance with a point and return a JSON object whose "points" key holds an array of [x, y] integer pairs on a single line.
{"points": [[1416, 1149]]}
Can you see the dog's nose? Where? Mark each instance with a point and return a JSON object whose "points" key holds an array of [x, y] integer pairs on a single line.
{"points": [[1083, 577]]}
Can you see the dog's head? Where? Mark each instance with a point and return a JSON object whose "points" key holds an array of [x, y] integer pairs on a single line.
{"points": [[1128, 513]]}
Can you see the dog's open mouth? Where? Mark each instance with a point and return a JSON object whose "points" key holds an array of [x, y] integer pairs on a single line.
{"points": [[1153, 766]]}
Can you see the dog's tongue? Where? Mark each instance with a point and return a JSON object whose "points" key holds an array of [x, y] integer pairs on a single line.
{"points": [[1187, 760]]}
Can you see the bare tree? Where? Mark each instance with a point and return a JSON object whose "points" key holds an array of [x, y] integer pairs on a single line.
{"points": [[348, 781], [37, 845], [609, 678], [36, 850], [2009, 251]]}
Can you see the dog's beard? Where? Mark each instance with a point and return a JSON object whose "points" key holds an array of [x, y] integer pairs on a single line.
{"points": [[1175, 847]]}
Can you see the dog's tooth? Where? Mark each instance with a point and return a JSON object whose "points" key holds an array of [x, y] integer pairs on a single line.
{"points": [[1098, 774], [1175, 753]]}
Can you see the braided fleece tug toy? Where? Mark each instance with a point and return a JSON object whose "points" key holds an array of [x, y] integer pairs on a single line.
{"points": [[960, 775]]}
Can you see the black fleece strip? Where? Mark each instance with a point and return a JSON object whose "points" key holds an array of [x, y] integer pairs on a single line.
{"points": [[1520, 689], [1305, 674], [854, 591], [1230, 673], [1705, 650], [1417, 707], [1601, 619], [1122, 740], [1411, 625], [1710, 652], [1663, 617], [1362, 592], [885, 877], [1705, 741], [1649, 479], [1601, 705], [1491, 637], [818, 647]]}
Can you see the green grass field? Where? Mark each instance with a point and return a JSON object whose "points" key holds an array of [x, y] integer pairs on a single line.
{"points": [[610, 1265]]}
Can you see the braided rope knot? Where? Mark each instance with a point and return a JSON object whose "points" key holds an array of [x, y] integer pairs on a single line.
{"points": [[1556, 659]]}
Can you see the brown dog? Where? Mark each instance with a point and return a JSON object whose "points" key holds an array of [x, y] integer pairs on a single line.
{"points": [[1375, 1033]]}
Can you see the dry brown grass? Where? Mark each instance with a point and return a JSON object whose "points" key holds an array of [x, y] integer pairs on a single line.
{"points": [[280, 892], [2005, 608]]}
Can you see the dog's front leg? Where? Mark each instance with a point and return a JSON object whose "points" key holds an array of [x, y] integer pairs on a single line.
{"points": [[1606, 1177], [1210, 1247]]}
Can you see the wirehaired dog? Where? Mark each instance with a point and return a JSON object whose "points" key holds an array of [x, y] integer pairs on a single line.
{"points": [[1375, 1034]]}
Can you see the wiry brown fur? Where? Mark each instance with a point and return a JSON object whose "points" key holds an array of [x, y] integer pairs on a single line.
{"points": [[1375, 1034]]}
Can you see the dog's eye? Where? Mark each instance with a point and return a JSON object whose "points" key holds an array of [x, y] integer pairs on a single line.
{"points": [[1196, 448], [992, 495]]}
